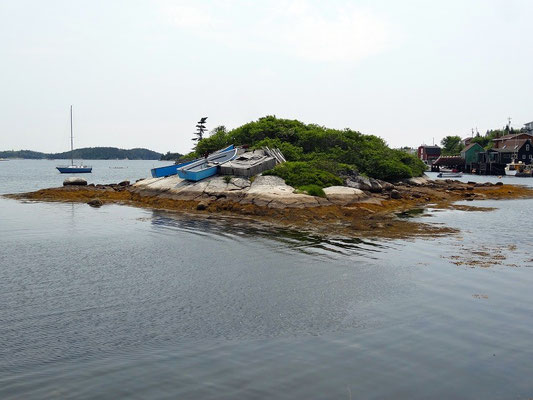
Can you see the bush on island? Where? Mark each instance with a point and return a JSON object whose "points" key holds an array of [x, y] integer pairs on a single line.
{"points": [[321, 149], [312, 190]]}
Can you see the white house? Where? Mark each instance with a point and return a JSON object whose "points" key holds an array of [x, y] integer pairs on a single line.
{"points": [[529, 126]]}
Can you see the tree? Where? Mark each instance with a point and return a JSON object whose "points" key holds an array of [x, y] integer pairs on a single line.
{"points": [[451, 145], [200, 129]]}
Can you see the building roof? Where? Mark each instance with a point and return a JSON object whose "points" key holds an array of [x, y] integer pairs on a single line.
{"points": [[427, 146], [449, 160], [513, 146], [470, 146], [512, 136]]}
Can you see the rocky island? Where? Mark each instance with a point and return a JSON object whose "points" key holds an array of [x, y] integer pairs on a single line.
{"points": [[367, 207]]}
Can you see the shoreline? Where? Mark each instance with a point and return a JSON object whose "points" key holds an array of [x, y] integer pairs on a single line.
{"points": [[267, 200]]}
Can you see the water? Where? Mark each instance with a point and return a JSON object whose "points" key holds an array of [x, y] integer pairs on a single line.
{"points": [[126, 302]]}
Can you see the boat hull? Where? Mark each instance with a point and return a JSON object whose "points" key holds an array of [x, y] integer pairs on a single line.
{"points": [[75, 170], [169, 170], [204, 168], [196, 176], [510, 172]]}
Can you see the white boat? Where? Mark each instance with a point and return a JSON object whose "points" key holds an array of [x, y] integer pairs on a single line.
{"points": [[450, 175], [513, 167]]}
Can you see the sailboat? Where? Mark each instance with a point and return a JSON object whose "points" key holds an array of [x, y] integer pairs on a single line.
{"points": [[73, 169]]}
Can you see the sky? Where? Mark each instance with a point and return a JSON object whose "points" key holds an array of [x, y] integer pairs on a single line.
{"points": [[140, 73]]}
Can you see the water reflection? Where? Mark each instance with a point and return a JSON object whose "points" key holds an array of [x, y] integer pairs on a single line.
{"points": [[280, 239]]}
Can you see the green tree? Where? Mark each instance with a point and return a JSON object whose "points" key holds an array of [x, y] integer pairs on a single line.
{"points": [[451, 145]]}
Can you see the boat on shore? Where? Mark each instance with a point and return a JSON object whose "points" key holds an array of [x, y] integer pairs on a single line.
{"points": [[169, 170], [73, 169], [206, 167]]}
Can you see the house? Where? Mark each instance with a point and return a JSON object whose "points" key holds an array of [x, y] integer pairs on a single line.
{"points": [[517, 150], [509, 140], [470, 155], [428, 154], [529, 126]]}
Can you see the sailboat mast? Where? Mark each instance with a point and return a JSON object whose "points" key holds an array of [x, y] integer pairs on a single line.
{"points": [[71, 140]]}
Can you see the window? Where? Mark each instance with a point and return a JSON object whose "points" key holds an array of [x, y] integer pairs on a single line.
{"points": [[523, 156], [527, 147]]}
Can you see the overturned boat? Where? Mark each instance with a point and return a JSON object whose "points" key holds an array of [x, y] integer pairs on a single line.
{"points": [[206, 167]]}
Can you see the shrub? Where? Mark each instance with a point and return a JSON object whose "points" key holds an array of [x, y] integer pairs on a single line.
{"points": [[298, 173], [320, 154], [313, 190]]}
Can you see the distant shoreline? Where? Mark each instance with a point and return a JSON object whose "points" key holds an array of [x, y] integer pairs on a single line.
{"points": [[87, 153]]}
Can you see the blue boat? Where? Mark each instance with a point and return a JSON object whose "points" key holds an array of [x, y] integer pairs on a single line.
{"points": [[169, 170], [161, 172], [204, 168], [73, 169]]}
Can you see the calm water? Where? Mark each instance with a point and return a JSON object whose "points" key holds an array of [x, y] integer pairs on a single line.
{"points": [[125, 302]]}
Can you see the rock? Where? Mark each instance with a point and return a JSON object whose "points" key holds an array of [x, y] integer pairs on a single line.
{"points": [[202, 205], [394, 194], [362, 183], [124, 183], [73, 181], [498, 184], [417, 181], [95, 203], [273, 192], [343, 195], [386, 185]]}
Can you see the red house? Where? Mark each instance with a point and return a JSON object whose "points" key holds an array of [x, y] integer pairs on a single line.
{"points": [[428, 154]]}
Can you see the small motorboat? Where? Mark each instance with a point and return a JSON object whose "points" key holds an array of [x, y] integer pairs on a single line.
{"points": [[450, 175], [513, 167], [169, 170], [206, 167]]}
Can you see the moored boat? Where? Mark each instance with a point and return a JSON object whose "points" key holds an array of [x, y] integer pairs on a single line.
{"points": [[513, 167], [450, 175], [73, 169], [204, 168]]}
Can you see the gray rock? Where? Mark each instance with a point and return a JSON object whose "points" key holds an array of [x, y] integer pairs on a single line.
{"points": [[394, 194], [95, 203], [124, 183], [343, 195], [73, 181], [202, 205], [362, 183]]}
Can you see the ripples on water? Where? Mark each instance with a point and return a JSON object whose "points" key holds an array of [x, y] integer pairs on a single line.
{"points": [[124, 302]]}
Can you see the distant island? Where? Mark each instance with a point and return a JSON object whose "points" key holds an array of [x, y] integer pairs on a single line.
{"points": [[89, 153]]}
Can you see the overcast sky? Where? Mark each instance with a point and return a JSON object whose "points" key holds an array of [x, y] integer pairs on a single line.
{"points": [[140, 73]]}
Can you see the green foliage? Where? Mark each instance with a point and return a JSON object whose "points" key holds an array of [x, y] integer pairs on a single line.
{"points": [[312, 190], [171, 156], [227, 178], [298, 173], [332, 151], [451, 145]]}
